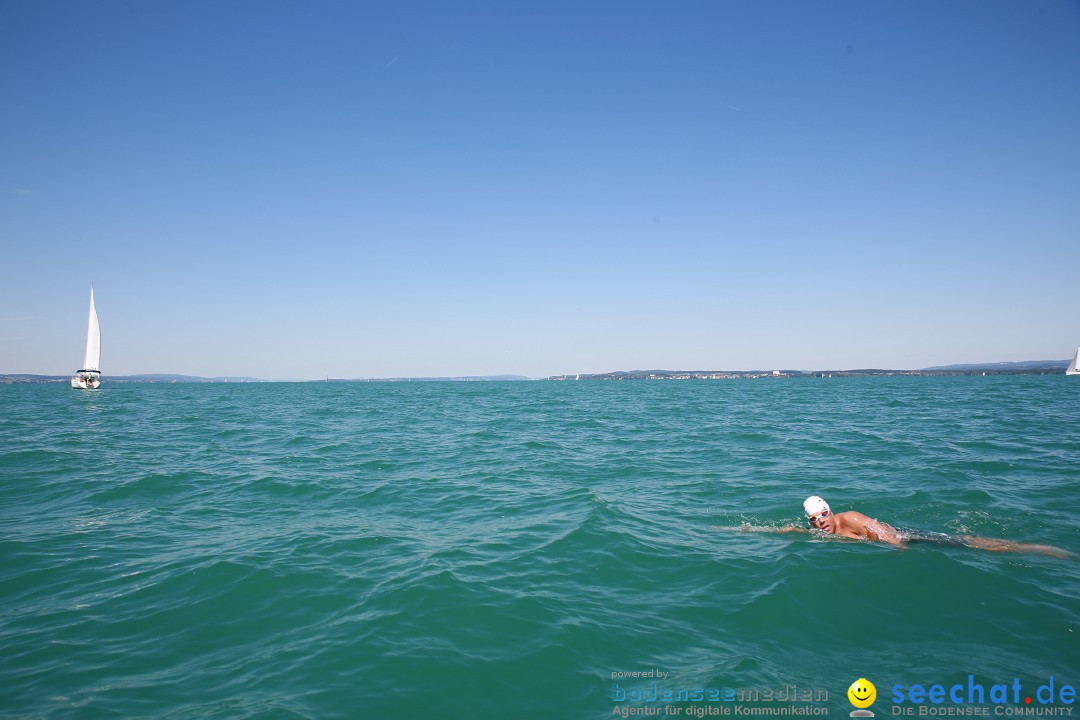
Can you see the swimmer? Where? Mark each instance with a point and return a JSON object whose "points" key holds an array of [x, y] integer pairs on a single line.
{"points": [[855, 525]]}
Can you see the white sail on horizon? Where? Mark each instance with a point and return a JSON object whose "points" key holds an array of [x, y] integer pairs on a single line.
{"points": [[1071, 370], [93, 339]]}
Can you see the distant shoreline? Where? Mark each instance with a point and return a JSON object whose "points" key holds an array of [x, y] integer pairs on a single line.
{"points": [[1037, 367], [776, 374]]}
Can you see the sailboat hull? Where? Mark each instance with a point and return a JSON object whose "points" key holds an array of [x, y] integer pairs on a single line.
{"points": [[86, 381]]}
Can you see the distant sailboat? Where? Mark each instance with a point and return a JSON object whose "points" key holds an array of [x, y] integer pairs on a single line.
{"points": [[89, 377], [1072, 370]]}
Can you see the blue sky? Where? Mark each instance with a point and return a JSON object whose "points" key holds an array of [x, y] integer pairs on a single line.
{"points": [[295, 190]]}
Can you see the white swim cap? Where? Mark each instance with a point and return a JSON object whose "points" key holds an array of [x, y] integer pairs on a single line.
{"points": [[813, 505]]}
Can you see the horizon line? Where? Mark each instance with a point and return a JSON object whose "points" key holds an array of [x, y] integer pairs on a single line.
{"points": [[1031, 365]]}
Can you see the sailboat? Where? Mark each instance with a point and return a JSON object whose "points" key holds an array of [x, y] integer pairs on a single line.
{"points": [[89, 378], [1072, 369]]}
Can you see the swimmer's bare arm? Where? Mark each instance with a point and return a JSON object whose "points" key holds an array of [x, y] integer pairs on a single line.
{"points": [[882, 532], [746, 527], [854, 524]]}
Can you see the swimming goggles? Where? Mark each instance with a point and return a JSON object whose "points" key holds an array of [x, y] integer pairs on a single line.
{"points": [[814, 518]]}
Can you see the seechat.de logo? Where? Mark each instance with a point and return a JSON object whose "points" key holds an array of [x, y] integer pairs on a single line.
{"points": [[862, 694]]}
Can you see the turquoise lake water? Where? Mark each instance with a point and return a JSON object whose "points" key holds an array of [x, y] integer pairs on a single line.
{"points": [[499, 550]]}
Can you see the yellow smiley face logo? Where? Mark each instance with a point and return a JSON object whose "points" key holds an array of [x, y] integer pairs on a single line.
{"points": [[862, 693]]}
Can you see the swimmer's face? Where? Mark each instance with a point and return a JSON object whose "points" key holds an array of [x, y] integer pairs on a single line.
{"points": [[822, 521]]}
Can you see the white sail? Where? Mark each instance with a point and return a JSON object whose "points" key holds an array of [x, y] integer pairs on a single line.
{"points": [[93, 339], [1072, 366]]}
